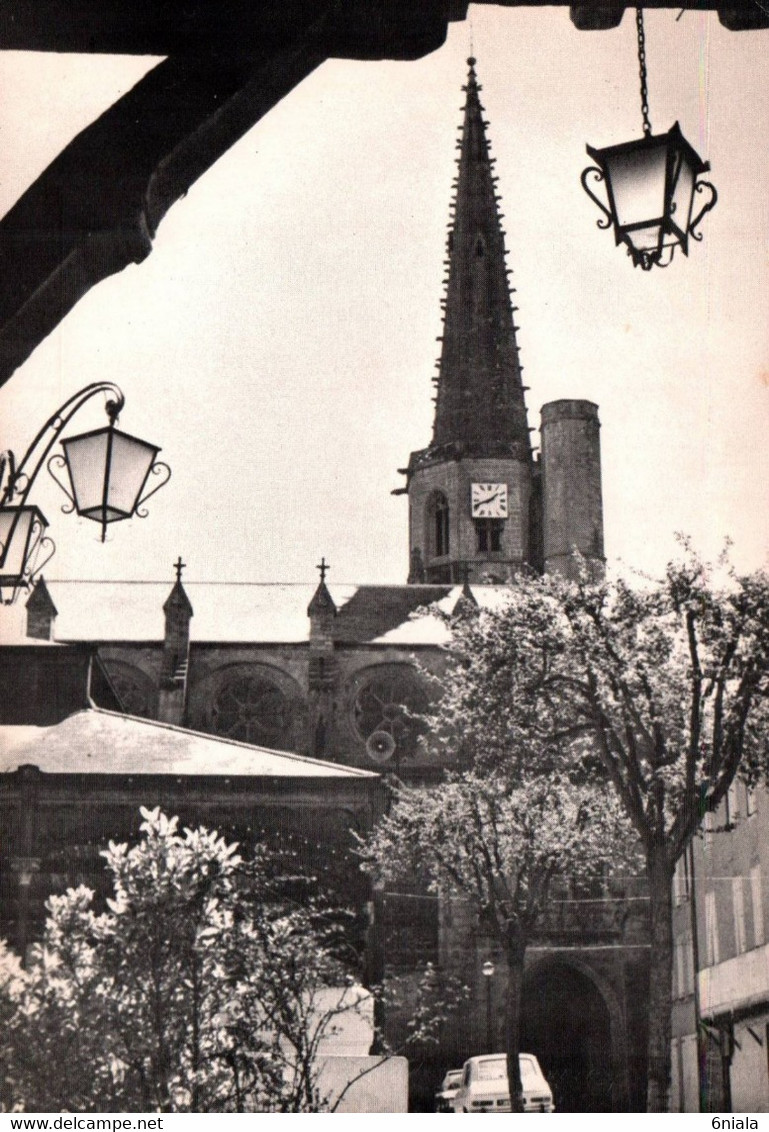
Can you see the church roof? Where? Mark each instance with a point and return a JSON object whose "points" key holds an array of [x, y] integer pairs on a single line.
{"points": [[226, 612], [431, 630], [266, 613], [480, 396], [374, 611], [94, 741]]}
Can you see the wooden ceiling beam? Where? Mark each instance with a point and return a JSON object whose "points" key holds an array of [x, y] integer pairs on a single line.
{"points": [[96, 208], [165, 27]]}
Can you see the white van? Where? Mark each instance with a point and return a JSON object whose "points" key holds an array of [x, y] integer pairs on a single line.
{"points": [[484, 1085]]}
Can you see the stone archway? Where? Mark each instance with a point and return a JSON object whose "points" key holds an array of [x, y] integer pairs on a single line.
{"points": [[567, 1022]]}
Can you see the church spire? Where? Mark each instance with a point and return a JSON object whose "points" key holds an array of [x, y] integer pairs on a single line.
{"points": [[480, 404]]}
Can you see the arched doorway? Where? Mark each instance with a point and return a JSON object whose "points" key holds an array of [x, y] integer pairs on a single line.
{"points": [[565, 1022]]}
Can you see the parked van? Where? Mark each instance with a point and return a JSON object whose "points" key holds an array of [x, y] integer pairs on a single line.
{"points": [[484, 1085]]}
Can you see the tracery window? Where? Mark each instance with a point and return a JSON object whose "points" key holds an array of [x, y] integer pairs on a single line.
{"points": [[252, 708], [387, 704]]}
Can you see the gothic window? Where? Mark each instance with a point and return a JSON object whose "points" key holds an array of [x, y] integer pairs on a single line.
{"points": [[133, 688], [479, 248], [489, 534], [387, 702], [252, 708], [438, 525]]}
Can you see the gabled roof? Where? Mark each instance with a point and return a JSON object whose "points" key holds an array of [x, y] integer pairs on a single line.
{"points": [[258, 613], [95, 741], [227, 612]]}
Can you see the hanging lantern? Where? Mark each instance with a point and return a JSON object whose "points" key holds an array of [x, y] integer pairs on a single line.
{"points": [[22, 541], [108, 470], [651, 187]]}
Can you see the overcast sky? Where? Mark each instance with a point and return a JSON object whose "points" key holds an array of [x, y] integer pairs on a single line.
{"points": [[280, 340]]}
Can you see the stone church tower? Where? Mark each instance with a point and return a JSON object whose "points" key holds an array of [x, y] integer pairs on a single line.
{"points": [[480, 506]]}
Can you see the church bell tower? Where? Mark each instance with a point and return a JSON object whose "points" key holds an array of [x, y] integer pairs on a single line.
{"points": [[471, 491]]}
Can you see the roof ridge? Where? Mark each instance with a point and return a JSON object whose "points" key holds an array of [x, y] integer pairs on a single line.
{"points": [[201, 582], [307, 585], [162, 725]]}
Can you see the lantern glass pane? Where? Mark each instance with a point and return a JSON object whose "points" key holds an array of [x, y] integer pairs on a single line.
{"points": [[107, 470], [637, 178], [21, 528], [682, 192], [646, 239], [86, 460], [130, 465]]}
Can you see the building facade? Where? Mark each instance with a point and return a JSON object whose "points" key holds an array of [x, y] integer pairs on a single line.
{"points": [[720, 1050], [342, 674]]}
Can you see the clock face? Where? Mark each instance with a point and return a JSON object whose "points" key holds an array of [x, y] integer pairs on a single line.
{"points": [[488, 500]]}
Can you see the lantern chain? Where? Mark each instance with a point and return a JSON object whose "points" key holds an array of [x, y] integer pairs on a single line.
{"points": [[639, 16]]}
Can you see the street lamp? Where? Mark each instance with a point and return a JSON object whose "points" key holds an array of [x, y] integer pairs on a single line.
{"points": [[650, 186], [108, 473], [488, 972]]}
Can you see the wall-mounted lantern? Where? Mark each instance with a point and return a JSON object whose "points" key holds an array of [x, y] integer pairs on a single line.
{"points": [[108, 473]]}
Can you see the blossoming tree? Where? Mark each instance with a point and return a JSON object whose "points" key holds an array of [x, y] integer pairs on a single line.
{"points": [[499, 845], [201, 988], [660, 691]]}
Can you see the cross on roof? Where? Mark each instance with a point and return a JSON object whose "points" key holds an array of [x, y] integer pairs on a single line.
{"points": [[465, 571], [179, 566], [324, 567]]}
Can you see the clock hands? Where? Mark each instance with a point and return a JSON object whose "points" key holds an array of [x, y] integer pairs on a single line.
{"points": [[490, 498]]}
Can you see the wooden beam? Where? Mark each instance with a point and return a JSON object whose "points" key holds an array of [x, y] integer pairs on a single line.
{"points": [[96, 208], [167, 27]]}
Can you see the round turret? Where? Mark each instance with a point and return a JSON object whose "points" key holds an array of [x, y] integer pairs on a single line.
{"points": [[571, 487]]}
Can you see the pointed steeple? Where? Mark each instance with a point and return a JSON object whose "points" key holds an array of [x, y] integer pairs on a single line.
{"points": [[473, 491], [480, 404], [177, 603], [176, 651], [322, 604]]}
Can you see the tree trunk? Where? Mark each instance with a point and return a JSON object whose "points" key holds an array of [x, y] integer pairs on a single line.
{"points": [[660, 875], [515, 955]]}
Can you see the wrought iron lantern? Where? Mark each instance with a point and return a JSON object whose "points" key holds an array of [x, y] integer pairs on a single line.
{"points": [[108, 473], [108, 470], [651, 187], [24, 548]]}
